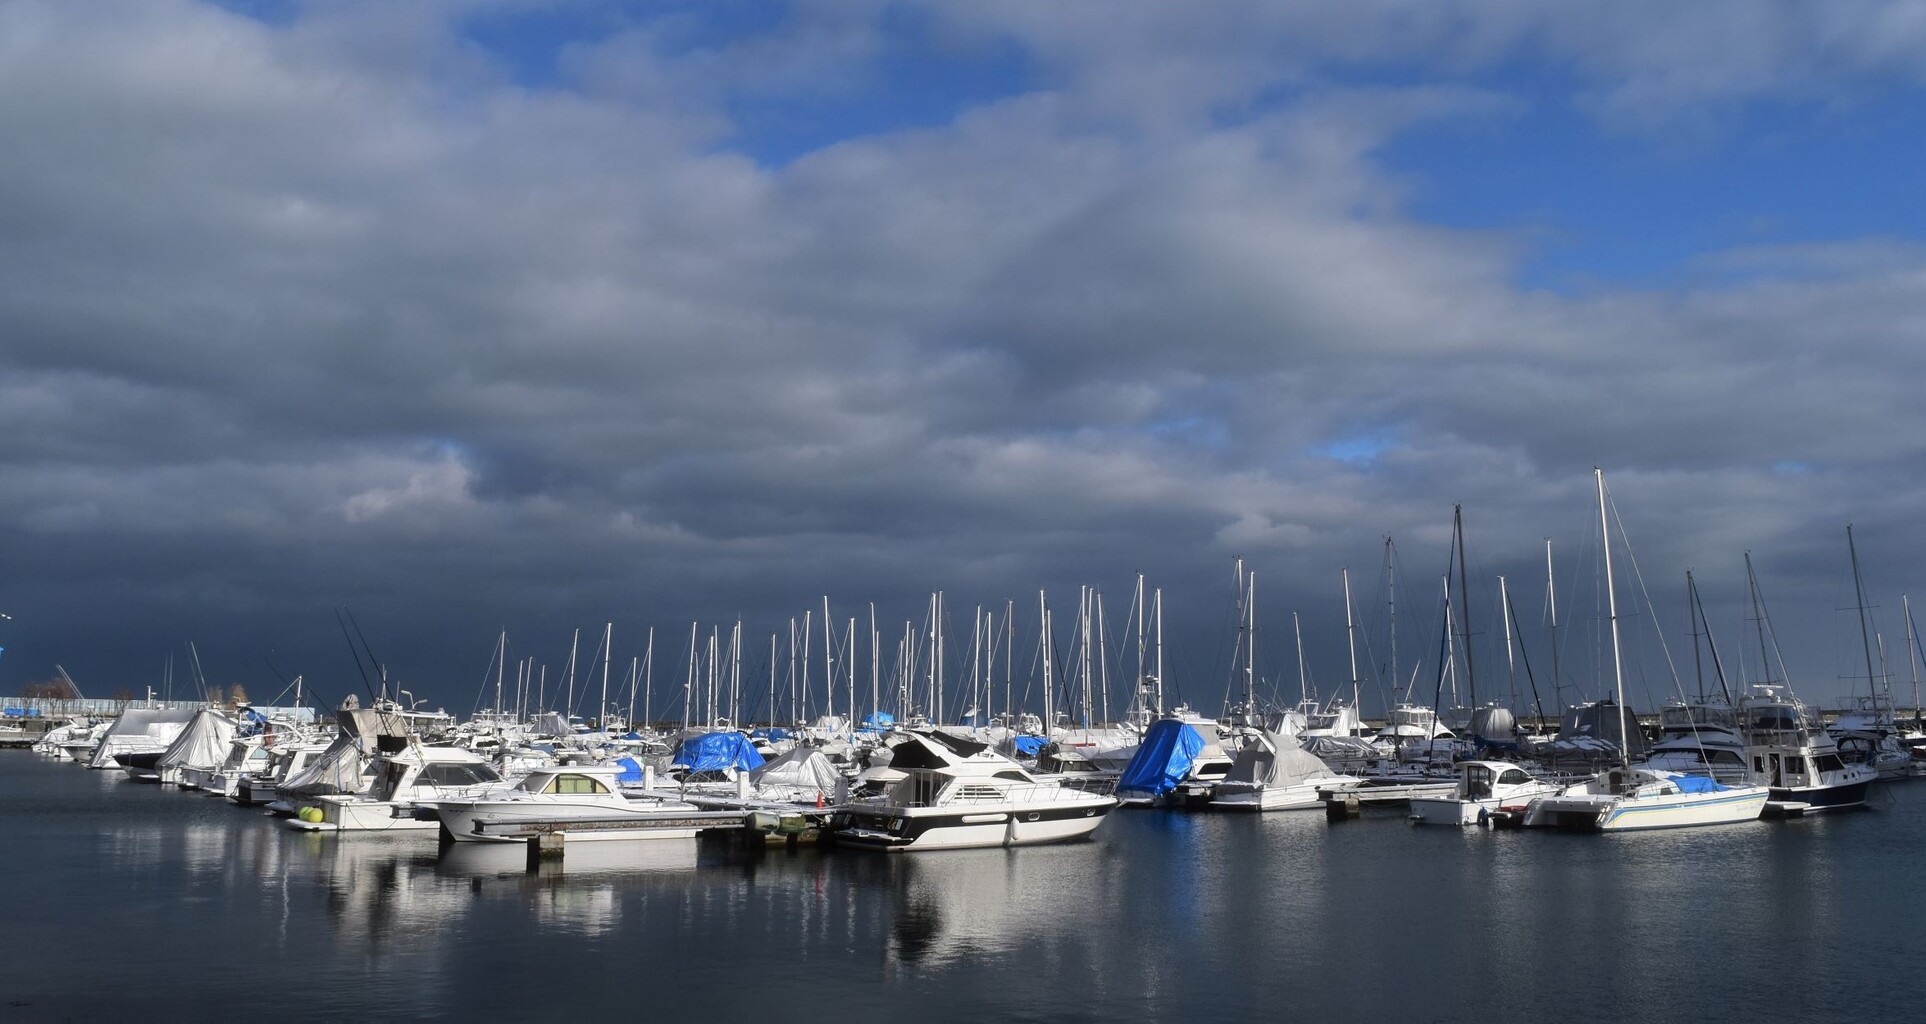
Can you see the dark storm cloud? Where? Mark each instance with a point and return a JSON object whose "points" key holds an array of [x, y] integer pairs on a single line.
{"points": [[335, 314]]}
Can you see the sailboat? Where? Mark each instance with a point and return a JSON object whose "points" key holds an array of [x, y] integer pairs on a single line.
{"points": [[1627, 798]]}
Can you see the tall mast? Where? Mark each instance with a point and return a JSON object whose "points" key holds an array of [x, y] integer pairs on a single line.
{"points": [[1049, 680], [1912, 654], [1160, 652], [1010, 655], [1464, 604], [1511, 660], [1611, 599], [602, 713], [875, 663], [1303, 684], [1865, 629], [1758, 618], [1250, 644], [688, 681], [1351, 638], [648, 681], [829, 676], [1103, 664], [575, 642], [1391, 577], [1551, 602], [501, 666]]}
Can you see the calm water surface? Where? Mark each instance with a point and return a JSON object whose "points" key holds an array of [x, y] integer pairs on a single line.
{"points": [[128, 899]]}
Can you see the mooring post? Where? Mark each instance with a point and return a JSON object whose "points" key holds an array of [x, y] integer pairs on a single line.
{"points": [[544, 847]]}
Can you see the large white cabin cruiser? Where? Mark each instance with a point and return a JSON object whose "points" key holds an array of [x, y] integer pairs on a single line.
{"points": [[559, 794], [1700, 738], [956, 794], [1791, 753], [1483, 788]]}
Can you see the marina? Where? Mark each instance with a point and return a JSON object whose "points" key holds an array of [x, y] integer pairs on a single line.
{"points": [[1138, 917]]}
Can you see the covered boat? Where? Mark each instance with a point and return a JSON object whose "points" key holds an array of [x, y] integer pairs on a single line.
{"points": [[1275, 774], [1165, 760], [202, 745], [716, 755]]}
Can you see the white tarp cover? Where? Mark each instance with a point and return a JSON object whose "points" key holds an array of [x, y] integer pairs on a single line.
{"points": [[203, 744], [140, 729], [1277, 761], [337, 770], [797, 777]]}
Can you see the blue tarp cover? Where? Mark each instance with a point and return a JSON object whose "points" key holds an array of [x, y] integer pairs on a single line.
{"points": [[879, 720], [774, 734], [1697, 784], [712, 752], [631, 771], [1028, 746], [1163, 760]]}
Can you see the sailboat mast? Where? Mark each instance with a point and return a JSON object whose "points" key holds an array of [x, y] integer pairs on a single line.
{"points": [[829, 675], [1551, 603], [1511, 658], [1611, 600], [1351, 638], [602, 712], [1913, 651], [1303, 683], [1160, 652], [1464, 604], [1865, 630]]}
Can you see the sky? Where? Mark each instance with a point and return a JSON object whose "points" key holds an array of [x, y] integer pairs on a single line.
{"points": [[473, 316]]}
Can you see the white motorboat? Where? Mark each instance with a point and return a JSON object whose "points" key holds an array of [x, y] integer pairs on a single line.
{"points": [[956, 794], [1628, 799], [558, 794], [1790, 751], [415, 775], [1700, 738], [1483, 789]]}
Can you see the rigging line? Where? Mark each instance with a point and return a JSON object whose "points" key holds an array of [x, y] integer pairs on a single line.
{"points": [[1657, 630], [1524, 655], [356, 653], [373, 662]]}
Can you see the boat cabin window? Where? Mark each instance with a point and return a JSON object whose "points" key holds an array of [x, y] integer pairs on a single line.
{"points": [[1477, 781], [920, 788], [575, 785], [1513, 777], [1829, 763], [1758, 764], [458, 774], [1012, 776], [1795, 765]]}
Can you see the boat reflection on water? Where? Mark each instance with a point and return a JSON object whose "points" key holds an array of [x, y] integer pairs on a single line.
{"points": [[963, 906], [614, 857]]}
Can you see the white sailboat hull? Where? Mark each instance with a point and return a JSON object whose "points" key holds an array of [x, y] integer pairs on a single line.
{"points": [[1607, 813]]}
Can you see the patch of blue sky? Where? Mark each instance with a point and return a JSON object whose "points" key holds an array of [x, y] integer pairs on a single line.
{"points": [[1359, 449], [1786, 467], [278, 13], [1601, 207], [918, 78], [528, 42]]}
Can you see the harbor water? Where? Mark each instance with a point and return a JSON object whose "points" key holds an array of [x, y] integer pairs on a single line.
{"points": [[130, 901]]}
